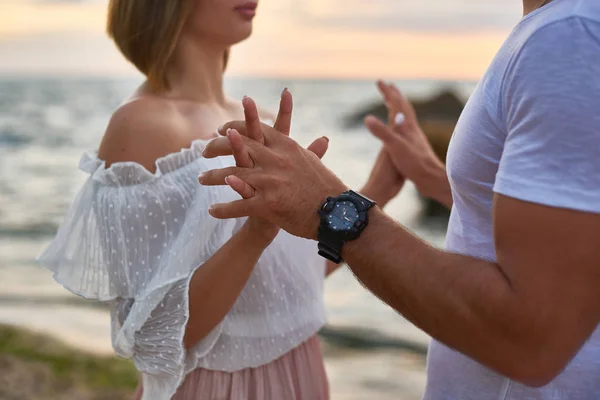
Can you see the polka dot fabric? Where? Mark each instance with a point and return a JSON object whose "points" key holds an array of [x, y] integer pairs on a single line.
{"points": [[134, 239]]}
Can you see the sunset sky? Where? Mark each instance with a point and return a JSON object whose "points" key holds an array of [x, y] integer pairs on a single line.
{"points": [[292, 38]]}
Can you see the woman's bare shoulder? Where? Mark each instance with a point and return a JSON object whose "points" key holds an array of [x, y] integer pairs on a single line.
{"points": [[142, 131]]}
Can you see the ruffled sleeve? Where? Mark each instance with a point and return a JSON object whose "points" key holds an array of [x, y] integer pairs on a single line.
{"points": [[134, 239]]}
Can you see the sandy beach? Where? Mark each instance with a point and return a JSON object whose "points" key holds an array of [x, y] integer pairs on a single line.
{"points": [[38, 366]]}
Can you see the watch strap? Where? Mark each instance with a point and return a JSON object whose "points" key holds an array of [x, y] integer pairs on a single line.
{"points": [[330, 247], [366, 203]]}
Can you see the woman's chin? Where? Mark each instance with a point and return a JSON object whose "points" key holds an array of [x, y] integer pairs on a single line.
{"points": [[241, 33]]}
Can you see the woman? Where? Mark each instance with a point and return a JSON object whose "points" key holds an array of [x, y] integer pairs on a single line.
{"points": [[206, 309]]}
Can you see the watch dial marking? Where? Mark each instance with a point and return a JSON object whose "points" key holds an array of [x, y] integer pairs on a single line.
{"points": [[343, 216]]}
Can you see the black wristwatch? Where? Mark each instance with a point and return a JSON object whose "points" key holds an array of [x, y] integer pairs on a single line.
{"points": [[343, 219]]}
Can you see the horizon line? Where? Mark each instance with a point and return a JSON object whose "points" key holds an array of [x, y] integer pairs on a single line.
{"points": [[9, 75]]}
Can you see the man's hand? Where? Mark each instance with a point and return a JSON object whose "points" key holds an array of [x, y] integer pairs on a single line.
{"points": [[286, 183], [408, 147], [525, 315]]}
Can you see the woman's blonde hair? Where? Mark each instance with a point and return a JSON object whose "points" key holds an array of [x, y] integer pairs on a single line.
{"points": [[147, 32]]}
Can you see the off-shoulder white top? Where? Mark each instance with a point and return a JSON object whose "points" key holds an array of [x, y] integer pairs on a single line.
{"points": [[134, 239]]}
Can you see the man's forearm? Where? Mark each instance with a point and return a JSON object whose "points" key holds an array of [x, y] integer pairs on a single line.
{"points": [[466, 303]]}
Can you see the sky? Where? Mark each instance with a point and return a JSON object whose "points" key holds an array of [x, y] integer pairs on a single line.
{"points": [[400, 39]]}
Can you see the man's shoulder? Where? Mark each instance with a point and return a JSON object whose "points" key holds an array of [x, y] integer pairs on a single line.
{"points": [[556, 37], [585, 9], [571, 26], [562, 21], [560, 10]]}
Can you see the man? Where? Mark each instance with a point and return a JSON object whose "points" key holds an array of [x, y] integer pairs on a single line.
{"points": [[513, 303]]}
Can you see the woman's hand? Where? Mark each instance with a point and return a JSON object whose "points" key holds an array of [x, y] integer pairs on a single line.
{"points": [[259, 229], [385, 182], [408, 147]]}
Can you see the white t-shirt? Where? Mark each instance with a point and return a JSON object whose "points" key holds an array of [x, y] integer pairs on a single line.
{"points": [[530, 131]]}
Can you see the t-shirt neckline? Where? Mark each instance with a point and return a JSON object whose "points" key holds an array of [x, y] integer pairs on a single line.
{"points": [[539, 10]]}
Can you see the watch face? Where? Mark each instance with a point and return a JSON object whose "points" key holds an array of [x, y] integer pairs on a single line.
{"points": [[343, 216]]}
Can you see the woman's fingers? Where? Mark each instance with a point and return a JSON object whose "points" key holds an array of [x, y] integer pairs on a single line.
{"points": [[217, 147], [241, 187], [398, 124], [380, 130], [319, 146], [392, 103], [384, 90], [216, 177], [239, 126], [240, 151], [399, 119], [235, 209], [401, 113], [253, 125], [404, 105], [232, 145], [283, 123]]}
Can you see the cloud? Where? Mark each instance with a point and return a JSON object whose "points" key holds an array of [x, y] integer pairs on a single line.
{"points": [[62, 53], [291, 38], [416, 15], [431, 15], [27, 17]]}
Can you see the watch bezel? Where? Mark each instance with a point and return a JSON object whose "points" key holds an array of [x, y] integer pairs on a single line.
{"points": [[361, 222]]}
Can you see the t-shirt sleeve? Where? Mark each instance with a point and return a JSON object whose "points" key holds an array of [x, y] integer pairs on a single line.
{"points": [[551, 109]]}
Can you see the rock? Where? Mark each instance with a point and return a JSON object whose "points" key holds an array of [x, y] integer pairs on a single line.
{"points": [[363, 338], [445, 106]]}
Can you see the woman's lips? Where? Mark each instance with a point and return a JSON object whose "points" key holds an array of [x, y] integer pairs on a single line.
{"points": [[247, 10]]}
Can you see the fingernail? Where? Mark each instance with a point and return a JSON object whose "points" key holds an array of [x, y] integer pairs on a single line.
{"points": [[227, 132], [220, 128], [326, 138], [201, 177], [284, 90], [227, 181], [399, 119]]}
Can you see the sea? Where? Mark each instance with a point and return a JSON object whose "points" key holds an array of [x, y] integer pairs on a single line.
{"points": [[47, 123]]}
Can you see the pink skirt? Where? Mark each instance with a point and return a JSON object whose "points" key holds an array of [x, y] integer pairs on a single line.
{"points": [[297, 375]]}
